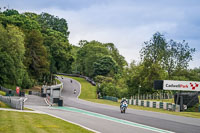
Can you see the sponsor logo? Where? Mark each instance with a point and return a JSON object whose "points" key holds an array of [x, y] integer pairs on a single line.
{"points": [[177, 86], [194, 86]]}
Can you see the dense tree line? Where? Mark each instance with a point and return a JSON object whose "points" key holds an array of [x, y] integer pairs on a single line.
{"points": [[32, 48]]}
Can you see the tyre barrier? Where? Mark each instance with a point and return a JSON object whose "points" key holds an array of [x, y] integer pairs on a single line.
{"points": [[153, 104]]}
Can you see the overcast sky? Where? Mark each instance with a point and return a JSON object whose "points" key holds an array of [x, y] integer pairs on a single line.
{"points": [[126, 23]]}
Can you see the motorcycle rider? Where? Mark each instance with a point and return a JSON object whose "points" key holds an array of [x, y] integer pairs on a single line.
{"points": [[74, 91], [122, 101]]}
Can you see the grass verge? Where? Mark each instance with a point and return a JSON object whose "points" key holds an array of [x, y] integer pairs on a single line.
{"points": [[58, 81], [3, 105], [18, 122], [2, 93]]}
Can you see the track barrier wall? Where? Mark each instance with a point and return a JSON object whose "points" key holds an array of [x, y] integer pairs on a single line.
{"points": [[13, 102], [153, 104], [110, 98]]}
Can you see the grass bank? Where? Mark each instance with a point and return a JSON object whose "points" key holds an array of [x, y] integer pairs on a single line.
{"points": [[18, 122], [3, 105]]}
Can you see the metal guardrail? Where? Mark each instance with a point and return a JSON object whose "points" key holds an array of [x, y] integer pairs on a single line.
{"points": [[110, 98], [14, 102], [81, 76]]}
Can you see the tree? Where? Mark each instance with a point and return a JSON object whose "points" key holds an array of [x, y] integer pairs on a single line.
{"points": [[59, 50], [119, 59], [11, 55], [170, 55], [36, 55], [177, 56], [24, 21], [154, 50], [48, 21], [11, 12], [104, 66], [47, 49], [88, 54]]}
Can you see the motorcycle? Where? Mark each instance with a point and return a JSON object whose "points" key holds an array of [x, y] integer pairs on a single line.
{"points": [[123, 107], [74, 91]]}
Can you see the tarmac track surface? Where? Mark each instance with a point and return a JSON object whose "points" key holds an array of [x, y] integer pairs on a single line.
{"points": [[167, 122]]}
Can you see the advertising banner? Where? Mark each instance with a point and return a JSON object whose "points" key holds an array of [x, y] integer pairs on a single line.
{"points": [[181, 85]]}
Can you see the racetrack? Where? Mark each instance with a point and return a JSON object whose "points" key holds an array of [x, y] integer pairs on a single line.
{"points": [[105, 118]]}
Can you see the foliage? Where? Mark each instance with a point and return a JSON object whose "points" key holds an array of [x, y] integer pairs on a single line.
{"points": [[32, 47], [36, 55], [95, 58], [88, 54], [48, 21], [108, 86], [11, 55], [104, 66], [119, 59], [59, 51], [177, 56], [171, 56]]}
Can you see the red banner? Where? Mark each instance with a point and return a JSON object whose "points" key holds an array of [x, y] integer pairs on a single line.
{"points": [[17, 90]]}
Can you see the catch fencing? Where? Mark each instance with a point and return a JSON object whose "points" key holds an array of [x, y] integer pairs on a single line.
{"points": [[13, 102]]}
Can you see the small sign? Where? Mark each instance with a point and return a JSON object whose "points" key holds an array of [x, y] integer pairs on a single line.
{"points": [[181, 85], [17, 90]]}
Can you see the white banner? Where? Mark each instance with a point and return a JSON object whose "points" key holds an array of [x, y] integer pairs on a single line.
{"points": [[181, 85]]}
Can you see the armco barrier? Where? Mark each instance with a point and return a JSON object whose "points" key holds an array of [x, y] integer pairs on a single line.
{"points": [[13, 102], [152, 104], [110, 98], [81, 76]]}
